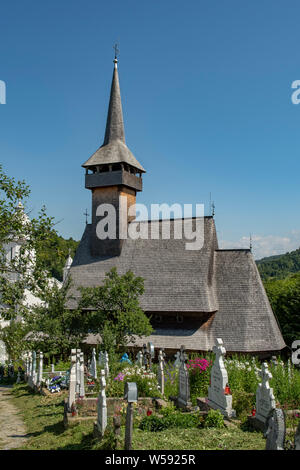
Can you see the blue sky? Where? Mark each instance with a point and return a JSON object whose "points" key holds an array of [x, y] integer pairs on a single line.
{"points": [[206, 90]]}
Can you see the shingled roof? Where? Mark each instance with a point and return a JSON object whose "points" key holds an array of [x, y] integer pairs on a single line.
{"points": [[223, 284]]}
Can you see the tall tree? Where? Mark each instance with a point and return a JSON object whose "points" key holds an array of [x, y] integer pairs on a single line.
{"points": [[54, 328], [114, 309], [19, 271], [284, 296]]}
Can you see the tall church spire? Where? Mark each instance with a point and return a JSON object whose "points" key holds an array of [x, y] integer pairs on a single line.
{"points": [[114, 149], [114, 124], [113, 174]]}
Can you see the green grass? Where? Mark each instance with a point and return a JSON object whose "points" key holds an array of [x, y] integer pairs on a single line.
{"points": [[43, 417], [198, 439]]}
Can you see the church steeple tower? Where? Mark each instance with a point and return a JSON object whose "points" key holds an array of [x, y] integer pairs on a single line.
{"points": [[114, 123], [112, 171]]}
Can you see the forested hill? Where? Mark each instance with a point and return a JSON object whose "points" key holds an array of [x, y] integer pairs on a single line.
{"points": [[54, 254], [279, 266]]}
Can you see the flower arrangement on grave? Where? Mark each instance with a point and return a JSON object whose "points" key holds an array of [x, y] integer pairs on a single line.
{"points": [[199, 372], [146, 382]]}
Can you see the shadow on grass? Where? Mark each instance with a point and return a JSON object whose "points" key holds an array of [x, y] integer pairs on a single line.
{"points": [[56, 429], [86, 443]]}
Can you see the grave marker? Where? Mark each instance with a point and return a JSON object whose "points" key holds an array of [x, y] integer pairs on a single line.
{"points": [[33, 372], [219, 395], [297, 438], [275, 430], [72, 383], [101, 359], [81, 386], [40, 370], [131, 395], [265, 400], [177, 359], [93, 369], [183, 399], [29, 367], [78, 371], [106, 365], [160, 371], [139, 359], [102, 407]]}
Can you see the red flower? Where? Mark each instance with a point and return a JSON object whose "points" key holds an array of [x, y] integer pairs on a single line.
{"points": [[227, 390], [149, 412], [253, 412]]}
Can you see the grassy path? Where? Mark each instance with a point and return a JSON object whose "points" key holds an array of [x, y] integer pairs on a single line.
{"points": [[12, 427], [43, 418]]}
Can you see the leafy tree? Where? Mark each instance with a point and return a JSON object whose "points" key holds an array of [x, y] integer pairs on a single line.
{"points": [[25, 272], [284, 296], [53, 254], [115, 312], [14, 337], [53, 328]]}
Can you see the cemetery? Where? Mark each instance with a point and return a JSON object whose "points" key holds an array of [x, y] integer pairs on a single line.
{"points": [[144, 333], [144, 400]]}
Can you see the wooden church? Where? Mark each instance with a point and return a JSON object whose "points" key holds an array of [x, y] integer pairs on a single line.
{"points": [[193, 296]]}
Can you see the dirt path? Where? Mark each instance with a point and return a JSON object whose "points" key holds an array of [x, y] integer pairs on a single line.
{"points": [[12, 427]]}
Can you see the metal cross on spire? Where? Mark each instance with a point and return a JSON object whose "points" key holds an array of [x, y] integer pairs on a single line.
{"points": [[117, 52], [86, 216], [213, 207]]}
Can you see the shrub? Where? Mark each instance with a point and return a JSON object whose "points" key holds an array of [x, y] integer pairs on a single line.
{"points": [[171, 380], [153, 423], [242, 402], [171, 419], [214, 419]]}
